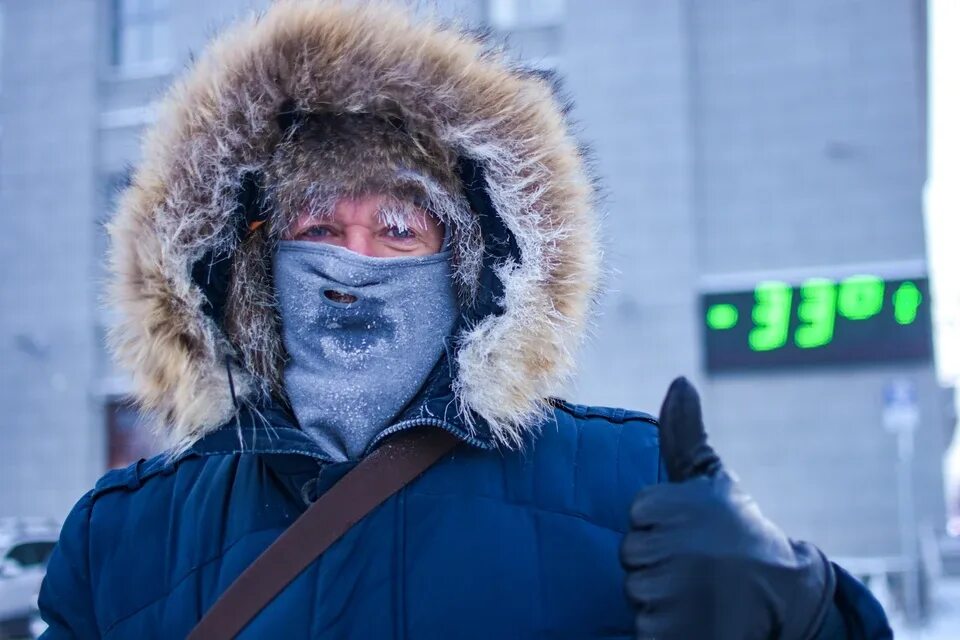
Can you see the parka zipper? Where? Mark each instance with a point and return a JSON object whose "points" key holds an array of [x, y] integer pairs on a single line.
{"points": [[426, 422]]}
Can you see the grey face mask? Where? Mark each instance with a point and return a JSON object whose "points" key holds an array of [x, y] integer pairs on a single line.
{"points": [[362, 336]]}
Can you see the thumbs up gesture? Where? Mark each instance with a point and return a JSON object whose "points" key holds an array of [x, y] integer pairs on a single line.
{"points": [[702, 561]]}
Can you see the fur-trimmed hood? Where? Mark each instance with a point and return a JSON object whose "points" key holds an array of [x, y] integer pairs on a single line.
{"points": [[201, 339]]}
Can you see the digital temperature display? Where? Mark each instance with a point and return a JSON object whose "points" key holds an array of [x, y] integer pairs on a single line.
{"points": [[859, 319]]}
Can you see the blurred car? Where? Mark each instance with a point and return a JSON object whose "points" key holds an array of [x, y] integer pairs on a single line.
{"points": [[25, 547]]}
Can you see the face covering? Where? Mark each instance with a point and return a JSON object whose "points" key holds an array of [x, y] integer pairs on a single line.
{"points": [[362, 335]]}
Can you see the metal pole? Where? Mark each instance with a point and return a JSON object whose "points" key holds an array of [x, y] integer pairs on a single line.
{"points": [[908, 527]]}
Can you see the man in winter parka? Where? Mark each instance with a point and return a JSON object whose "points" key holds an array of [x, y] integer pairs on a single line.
{"points": [[347, 225]]}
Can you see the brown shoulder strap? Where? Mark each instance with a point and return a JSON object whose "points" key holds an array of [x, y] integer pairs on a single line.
{"points": [[377, 477]]}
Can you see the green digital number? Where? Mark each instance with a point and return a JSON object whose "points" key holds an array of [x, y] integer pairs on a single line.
{"points": [[860, 297], [906, 303], [771, 316], [817, 313]]}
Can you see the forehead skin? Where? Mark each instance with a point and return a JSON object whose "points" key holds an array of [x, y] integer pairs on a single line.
{"points": [[374, 225]]}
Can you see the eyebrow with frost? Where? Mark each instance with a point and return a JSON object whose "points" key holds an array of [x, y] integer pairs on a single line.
{"points": [[374, 225]]}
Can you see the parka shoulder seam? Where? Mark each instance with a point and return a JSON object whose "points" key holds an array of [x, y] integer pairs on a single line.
{"points": [[613, 415], [132, 477]]}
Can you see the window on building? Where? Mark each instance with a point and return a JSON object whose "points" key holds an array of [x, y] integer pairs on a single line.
{"points": [[510, 15], [141, 33], [128, 436]]}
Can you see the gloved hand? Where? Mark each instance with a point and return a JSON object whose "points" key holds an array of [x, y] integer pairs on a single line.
{"points": [[702, 561]]}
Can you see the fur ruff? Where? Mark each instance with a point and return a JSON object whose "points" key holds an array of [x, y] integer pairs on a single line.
{"points": [[220, 120]]}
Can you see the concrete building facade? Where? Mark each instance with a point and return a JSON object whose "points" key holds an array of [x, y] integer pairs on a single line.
{"points": [[735, 139]]}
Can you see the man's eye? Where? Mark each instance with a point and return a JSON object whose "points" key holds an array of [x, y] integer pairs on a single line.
{"points": [[315, 232], [401, 234]]}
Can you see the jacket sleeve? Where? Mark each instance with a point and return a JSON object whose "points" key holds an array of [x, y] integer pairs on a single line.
{"points": [[855, 614], [66, 598]]}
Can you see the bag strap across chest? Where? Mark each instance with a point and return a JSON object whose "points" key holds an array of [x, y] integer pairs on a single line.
{"points": [[383, 473]]}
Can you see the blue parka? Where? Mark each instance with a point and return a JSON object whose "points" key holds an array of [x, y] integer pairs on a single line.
{"points": [[484, 545], [513, 535]]}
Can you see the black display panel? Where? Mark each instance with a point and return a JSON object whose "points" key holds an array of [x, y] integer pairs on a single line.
{"points": [[822, 321]]}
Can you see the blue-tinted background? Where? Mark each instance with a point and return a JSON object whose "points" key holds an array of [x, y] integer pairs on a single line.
{"points": [[737, 141]]}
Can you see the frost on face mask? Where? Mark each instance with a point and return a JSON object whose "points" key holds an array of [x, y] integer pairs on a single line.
{"points": [[354, 365]]}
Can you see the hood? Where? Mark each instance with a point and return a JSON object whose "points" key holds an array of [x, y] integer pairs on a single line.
{"points": [[197, 324]]}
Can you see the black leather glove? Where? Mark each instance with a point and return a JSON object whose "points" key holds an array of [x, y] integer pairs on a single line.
{"points": [[702, 561]]}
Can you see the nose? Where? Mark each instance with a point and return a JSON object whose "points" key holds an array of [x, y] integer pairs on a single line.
{"points": [[359, 240]]}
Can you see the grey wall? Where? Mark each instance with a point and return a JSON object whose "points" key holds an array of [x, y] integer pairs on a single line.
{"points": [[47, 113], [810, 134], [626, 65]]}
